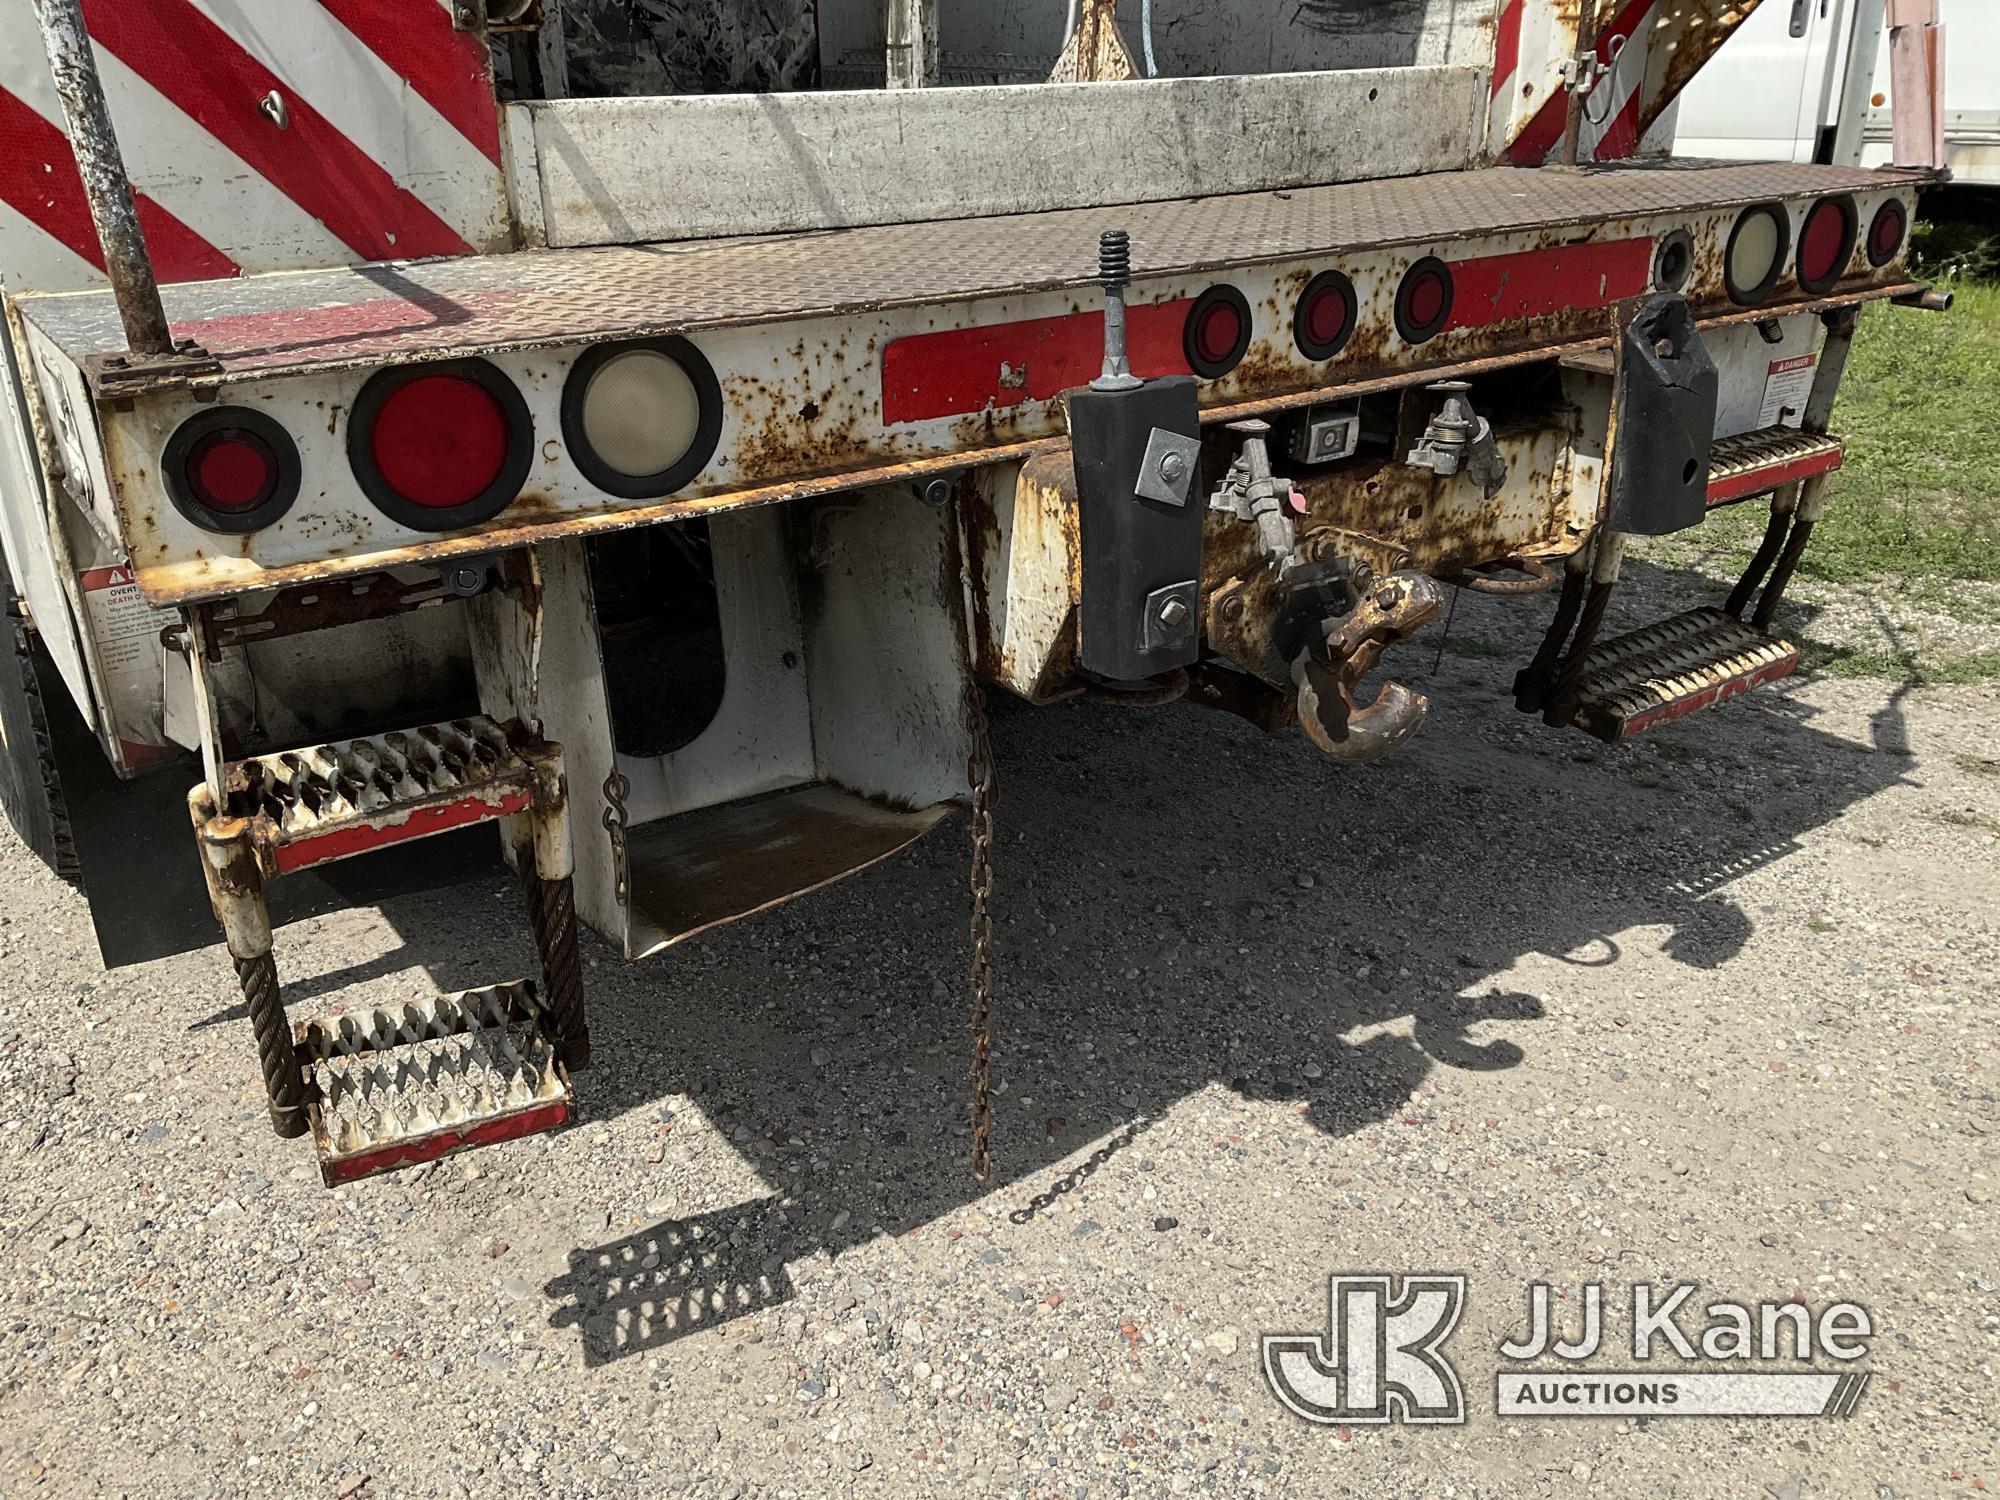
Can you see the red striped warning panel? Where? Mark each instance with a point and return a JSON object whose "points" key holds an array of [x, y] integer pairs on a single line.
{"points": [[356, 130]]}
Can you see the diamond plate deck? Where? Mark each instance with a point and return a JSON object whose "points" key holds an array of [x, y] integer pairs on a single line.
{"points": [[394, 1087], [1677, 667], [436, 309]]}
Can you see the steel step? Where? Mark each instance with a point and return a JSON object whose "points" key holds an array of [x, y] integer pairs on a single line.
{"points": [[1755, 463], [327, 802], [1678, 667], [391, 1088]]}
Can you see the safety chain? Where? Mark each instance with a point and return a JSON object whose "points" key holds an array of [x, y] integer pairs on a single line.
{"points": [[985, 786], [617, 787]]}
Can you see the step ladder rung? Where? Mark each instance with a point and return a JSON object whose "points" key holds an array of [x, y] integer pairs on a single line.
{"points": [[1676, 667], [326, 802], [393, 1087], [1755, 463]]}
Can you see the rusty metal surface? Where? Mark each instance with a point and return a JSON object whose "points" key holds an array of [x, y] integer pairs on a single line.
{"points": [[1766, 448], [437, 309], [704, 868], [410, 1084], [377, 779]]}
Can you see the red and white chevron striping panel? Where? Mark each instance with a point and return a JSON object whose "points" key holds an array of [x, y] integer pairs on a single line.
{"points": [[1648, 49], [380, 141]]}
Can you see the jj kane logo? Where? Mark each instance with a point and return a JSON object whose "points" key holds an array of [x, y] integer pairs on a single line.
{"points": [[1382, 1357]]}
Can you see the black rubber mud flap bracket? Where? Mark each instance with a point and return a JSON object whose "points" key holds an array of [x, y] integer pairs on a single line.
{"points": [[1666, 422], [1138, 492]]}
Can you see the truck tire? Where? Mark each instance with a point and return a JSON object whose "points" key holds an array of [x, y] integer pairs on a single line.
{"points": [[30, 790]]}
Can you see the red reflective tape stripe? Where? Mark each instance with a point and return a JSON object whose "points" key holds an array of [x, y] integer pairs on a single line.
{"points": [[39, 180], [447, 67], [359, 838], [529, 1121], [1535, 283], [1769, 477], [960, 370], [204, 73], [1507, 45]]}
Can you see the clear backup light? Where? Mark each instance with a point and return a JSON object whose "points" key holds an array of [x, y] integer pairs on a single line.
{"points": [[231, 470], [642, 419], [440, 446], [1756, 253]]}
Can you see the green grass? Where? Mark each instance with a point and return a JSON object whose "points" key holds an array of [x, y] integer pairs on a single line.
{"points": [[1919, 496]]}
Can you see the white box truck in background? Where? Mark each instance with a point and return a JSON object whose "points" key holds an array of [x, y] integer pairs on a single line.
{"points": [[1781, 87]]}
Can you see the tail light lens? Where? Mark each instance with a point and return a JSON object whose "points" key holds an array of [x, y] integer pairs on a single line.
{"points": [[442, 446], [1217, 332], [1826, 243], [1886, 232], [231, 469], [1756, 253], [642, 419], [1423, 301], [1324, 320]]}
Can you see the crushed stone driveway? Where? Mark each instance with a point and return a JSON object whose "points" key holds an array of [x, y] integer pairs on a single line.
{"points": [[1717, 1008]]}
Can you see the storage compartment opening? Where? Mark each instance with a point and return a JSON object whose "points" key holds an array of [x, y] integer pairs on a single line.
{"points": [[822, 645]]}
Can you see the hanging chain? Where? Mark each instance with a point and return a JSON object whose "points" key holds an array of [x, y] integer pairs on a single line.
{"points": [[985, 785], [617, 787]]}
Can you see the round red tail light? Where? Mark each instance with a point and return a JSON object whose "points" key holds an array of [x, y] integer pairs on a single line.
{"points": [[1885, 233], [442, 446], [1217, 332], [1826, 243], [231, 469], [1324, 320], [1423, 301], [1756, 253]]}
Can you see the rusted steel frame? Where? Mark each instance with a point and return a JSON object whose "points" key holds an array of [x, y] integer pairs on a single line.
{"points": [[294, 611], [1560, 703], [230, 866], [113, 211], [1583, 80], [552, 903]]}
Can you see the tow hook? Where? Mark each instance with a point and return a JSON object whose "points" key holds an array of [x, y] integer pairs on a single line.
{"points": [[1341, 651]]}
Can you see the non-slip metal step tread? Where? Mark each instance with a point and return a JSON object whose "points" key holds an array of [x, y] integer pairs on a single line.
{"points": [[393, 1087], [325, 802], [1754, 463], [1676, 667]]}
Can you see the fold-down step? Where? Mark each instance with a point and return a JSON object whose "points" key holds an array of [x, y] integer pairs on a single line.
{"points": [[1755, 463], [1677, 667], [391, 1088]]}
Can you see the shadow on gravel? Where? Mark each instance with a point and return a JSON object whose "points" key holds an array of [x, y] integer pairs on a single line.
{"points": [[1182, 905]]}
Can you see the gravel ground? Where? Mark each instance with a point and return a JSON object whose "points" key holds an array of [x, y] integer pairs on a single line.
{"points": [[1718, 1008]]}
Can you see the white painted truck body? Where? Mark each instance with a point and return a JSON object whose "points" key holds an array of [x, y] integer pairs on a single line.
{"points": [[1776, 90], [862, 322]]}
